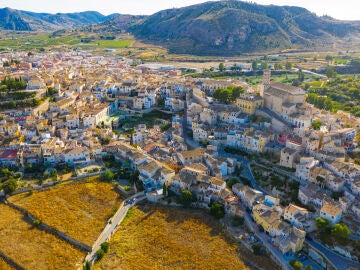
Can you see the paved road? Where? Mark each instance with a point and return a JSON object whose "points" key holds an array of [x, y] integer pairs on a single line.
{"points": [[340, 262], [111, 227]]}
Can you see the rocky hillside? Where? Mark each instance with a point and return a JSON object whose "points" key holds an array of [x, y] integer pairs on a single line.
{"points": [[11, 19], [234, 27]]}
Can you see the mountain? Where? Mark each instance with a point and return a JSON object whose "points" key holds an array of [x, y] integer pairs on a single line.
{"points": [[234, 27], [117, 23], [11, 19]]}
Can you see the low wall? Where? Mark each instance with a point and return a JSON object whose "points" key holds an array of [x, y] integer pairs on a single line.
{"points": [[51, 230]]}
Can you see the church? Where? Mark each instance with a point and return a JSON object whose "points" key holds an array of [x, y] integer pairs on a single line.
{"points": [[278, 96]]}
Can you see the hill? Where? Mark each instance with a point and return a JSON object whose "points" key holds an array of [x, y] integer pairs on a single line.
{"points": [[234, 27], [11, 19]]}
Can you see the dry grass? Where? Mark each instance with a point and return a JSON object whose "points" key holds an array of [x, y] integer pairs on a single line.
{"points": [[4, 265], [79, 209], [154, 237], [32, 248]]}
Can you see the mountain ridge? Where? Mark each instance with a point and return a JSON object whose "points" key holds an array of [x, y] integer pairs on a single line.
{"points": [[18, 20]]}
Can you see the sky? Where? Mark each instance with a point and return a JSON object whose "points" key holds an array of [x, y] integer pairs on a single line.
{"points": [[344, 9]]}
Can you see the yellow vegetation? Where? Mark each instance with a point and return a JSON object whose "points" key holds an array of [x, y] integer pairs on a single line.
{"points": [[154, 237], [79, 209], [33, 248], [4, 265]]}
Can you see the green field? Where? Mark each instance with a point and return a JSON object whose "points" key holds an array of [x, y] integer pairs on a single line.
{"points": [[37, 42], [112, 44]]}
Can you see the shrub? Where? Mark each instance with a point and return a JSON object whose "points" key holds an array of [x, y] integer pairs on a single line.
{"points": [[105, 246], [217, 210], [238, 221], [100, 254], [36, 222], [127, 188]]}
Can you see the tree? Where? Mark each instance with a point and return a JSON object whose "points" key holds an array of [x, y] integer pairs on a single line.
{"points": [[186, 198], [165, 190], [87, 266], [105, 246], [330, 72], [264, 65], [254, 65], [322, 224], [340, 231], [308, 267], [217, 210], [107, 176], [316, 124], [10, 186], [301, 75], [256, 249], [100, 254], [221, 67], [231, 182], [298, 265], [288, 65]]}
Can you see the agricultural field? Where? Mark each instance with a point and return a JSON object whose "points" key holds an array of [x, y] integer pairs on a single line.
{"points": [[79, 209], [33, 248], [111, 44], [39, 41], [154, 237], [4, 265]]}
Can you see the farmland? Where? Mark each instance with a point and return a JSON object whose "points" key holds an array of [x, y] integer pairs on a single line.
{"points": [[4, 265], [31, 247], [77, 209], [112, 44], [153, 237]]}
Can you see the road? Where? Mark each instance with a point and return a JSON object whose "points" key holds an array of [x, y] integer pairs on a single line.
{"points": [[112, 225], [337, 260]]}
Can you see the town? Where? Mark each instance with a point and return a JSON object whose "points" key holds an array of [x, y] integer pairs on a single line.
{"points": [[260, 154]]}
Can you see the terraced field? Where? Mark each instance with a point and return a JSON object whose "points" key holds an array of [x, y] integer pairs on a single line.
{"points": [[32, 248], [153, 237], [80, 210]]}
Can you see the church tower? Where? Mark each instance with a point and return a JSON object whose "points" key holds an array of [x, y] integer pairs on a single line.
{"points": [[266, 81]]}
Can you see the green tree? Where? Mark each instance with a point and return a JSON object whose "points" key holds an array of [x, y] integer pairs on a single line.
{"points": [[165, 189], [301, 75], [322, 224], [107, 176], [217, 210], [264, 65], [298, 265], [221, 67], [100, 254], [288, 66], [316, 124], [10, 186], [231, 182], [186, 198], [340, 231], [87, 266], [105, 246], [308, 267], [330, 72], [254, 65], [256, 249]]}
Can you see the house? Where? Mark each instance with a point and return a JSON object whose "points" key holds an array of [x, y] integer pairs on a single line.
{"points": [[299, 217], [247, 194], [304, 167], [267, 217], [289, 157], [9, 157], [249, 103], [292, 242], [191, 156], [148, 169], [331, 212], [77, 156]]}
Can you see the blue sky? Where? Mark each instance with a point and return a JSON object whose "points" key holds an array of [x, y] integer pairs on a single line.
{"points": [[344, 9]]}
